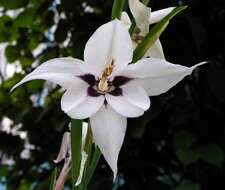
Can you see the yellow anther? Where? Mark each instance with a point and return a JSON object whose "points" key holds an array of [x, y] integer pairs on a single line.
{"points": [[103, 85], [108, 71]]}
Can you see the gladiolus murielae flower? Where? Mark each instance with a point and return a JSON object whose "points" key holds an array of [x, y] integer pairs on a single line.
{"points": [[106, 88], [144, 18]]}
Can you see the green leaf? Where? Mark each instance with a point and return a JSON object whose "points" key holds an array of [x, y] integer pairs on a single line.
{"points": [[53, 179], [76, 143], [93, 164], [154, 34], [6, 29], [12, 53], [212, 154], [25, 18], [117, 9], [183, 142], [13, 4]]}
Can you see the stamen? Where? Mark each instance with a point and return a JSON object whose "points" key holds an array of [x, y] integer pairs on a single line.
{"points": [[108, 71], [104, 84]]}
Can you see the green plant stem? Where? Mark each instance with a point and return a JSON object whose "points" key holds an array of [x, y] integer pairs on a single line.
{"points": [[117, 9], [154, 34], [146, 2]]}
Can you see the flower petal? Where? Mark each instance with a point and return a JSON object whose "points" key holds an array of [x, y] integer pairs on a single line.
{"points": [[122, 106], [125, 20], [109, 129], [74, 96], [157, 75], [110, 41], [136, 95], [141, 13], [156, 16], [61, 71], [88, 107], [156, 51]]}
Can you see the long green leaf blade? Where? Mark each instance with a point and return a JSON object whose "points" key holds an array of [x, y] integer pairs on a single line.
{"points": [[76, 143], [154, 34], [92, 166], [53, 179]]}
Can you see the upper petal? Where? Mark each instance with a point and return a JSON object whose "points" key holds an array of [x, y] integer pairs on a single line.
{"points": [[110, 41], [141, 14], [156, 16], [135, 94], [61, 71], [157, 75], [122, 106], [88, 107], [109, 129]]}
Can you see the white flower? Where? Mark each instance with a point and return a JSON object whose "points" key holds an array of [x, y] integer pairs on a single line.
{"points": [[106, 88], [143, 18]]}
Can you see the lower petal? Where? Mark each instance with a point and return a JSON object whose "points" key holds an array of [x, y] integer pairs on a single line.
{"points": [[122, 106], [88, 107], [109, 129], [136, 95]]}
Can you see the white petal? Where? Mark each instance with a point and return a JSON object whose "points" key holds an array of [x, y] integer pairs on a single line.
{"points": [[125, 20], [109, 129], [156, 51], [156, 16], [156, 75], [86, 108], [136, 95], [74, 96], [61, 71], [141, 14], [121, 105], [110, 41]]}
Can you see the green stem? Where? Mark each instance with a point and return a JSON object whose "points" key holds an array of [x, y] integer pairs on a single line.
{"points": [[154, 34], [146, 2], [117, 9], [53, 179]]}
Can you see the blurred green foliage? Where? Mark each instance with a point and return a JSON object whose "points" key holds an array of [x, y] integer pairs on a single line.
{"points": [[177, 145]]}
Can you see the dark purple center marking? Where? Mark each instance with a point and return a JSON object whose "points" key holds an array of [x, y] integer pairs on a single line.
{"points": [[120, 80], [88, 78], [115, 85]]}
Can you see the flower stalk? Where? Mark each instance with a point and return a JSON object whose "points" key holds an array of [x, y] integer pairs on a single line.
{"points": [[117, 9]]}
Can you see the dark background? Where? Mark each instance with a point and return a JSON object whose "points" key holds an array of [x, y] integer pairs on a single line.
{"points": [[177, 145]]}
